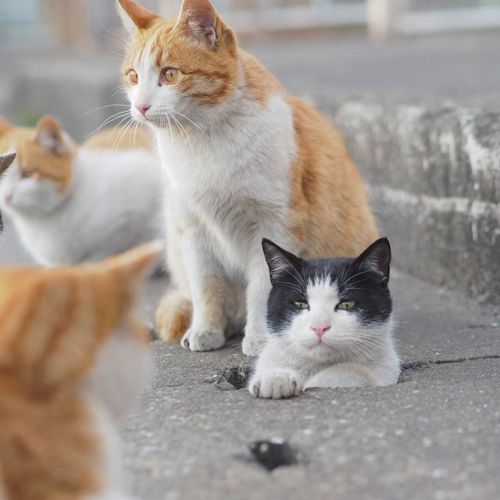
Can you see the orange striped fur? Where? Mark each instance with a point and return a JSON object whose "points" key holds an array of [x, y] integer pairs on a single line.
{"points": [[53, 325]]}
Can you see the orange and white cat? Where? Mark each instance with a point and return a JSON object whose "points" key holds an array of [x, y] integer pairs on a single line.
{"points": [[68, 340], [244, 160], [73, 204]]}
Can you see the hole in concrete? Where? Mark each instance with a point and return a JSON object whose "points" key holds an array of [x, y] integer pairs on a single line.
{"points": [[231, 378], [273, 454]]}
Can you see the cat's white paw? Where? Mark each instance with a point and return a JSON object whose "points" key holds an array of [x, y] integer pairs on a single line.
{"points": [[203, 340], [276, 384], [252, 343]]}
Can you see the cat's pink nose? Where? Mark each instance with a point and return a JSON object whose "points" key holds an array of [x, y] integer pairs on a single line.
{"points": [[8, 198], [321, 330], [143, 108]]}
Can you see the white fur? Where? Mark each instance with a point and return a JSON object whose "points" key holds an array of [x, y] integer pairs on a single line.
{"points": [[349, 354], [111, 206], [122, 370], [228, 187]]}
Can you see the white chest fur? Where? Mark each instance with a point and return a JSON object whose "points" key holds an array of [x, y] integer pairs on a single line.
{"points": [[235, 177]]}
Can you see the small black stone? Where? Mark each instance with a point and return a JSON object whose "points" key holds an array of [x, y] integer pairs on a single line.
{"points": [[273, 454]]}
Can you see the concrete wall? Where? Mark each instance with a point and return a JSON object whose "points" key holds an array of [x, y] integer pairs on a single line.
{"points": [[434, 177]]}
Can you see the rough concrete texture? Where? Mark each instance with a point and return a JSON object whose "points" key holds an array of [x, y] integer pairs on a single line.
{"points": [[435, 435], [434, 178]]}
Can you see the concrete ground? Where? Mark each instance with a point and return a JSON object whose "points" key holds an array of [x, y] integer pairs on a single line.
{"points": [[435, 435]]}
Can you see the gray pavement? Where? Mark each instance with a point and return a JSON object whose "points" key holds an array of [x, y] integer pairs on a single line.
{"points": [[435, 435]]}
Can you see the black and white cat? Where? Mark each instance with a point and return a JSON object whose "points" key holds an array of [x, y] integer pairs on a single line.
{"points": [[330, 323]]}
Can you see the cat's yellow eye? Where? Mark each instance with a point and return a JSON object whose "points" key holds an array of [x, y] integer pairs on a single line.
{"points": [[132, 77], [26, 173], [301, 305], [170, 75], [347, 306]]}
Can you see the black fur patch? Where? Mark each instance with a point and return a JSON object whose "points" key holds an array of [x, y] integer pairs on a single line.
{"points": [[363, 280]]}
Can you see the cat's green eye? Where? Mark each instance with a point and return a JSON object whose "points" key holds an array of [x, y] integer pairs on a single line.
{"points": [[347, 306], [301, 306]]}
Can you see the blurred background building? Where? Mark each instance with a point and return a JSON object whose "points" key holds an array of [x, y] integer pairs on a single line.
{"points": [[86, 24]]}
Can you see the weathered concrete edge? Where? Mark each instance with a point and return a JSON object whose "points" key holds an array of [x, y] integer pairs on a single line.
{"points": [[434, 180]]}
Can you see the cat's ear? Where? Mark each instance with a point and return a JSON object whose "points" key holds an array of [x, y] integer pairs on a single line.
{"points": [[133, 266], [377, 258], [201, 21], [134, 16], [282, 264], [6, 161], [51, 136]]}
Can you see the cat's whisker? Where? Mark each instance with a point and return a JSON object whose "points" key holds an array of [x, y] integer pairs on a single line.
{"points": [[110, 120], [356, 275], [105, 107], [189, 119]]}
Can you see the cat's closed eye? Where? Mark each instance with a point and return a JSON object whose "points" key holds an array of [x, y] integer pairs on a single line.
{"points": [[26, 173], [347, 305]]}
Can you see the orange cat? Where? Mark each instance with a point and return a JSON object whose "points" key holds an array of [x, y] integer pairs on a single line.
{"points": [[68, 340], [244, 160], [72, 204]]}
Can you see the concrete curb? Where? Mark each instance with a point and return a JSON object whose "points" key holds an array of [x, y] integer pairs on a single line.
{"points": [[434, 177]]}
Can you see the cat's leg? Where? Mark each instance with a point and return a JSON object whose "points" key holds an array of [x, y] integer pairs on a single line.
{"points": [[258, 289], [342, 375], [208, 287], [273, 378], [174, 313]]}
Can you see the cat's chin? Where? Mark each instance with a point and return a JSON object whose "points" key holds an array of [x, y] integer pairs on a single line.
{"points": [[317, 351]]}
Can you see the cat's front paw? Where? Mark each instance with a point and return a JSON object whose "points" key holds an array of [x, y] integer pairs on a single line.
{"points": [[252, 343], [203, 339], [276, 384]]}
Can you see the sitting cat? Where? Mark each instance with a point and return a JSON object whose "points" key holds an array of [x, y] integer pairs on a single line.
{"points": [[330, 321], [72, 204], [243, 159], [73, 357]]}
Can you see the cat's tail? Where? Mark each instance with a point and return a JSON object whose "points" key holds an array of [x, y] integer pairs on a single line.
{"points": [[173, 316]]}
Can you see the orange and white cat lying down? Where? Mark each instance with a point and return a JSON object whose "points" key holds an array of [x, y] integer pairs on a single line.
{"points": [[68, 340], [72, 204], [244, 160]]}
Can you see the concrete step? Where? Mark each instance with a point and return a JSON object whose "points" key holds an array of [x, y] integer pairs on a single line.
{"points": [[434, 177]]}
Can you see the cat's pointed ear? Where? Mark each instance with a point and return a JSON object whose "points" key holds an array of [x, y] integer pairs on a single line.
{"points": [[51, 136], [377, 258], [201, 21], [6, 161], [281, 263], [134, 16], [134, 265]]}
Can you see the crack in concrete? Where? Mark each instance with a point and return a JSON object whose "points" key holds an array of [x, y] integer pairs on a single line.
{"points": [[419, 365]]}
